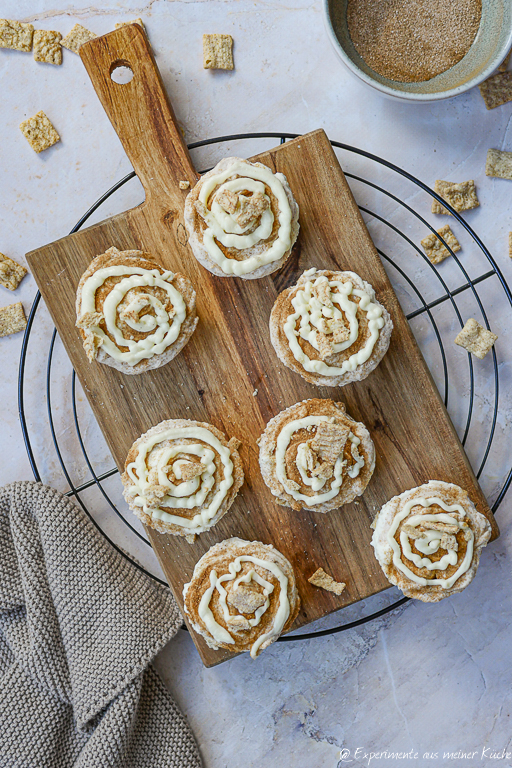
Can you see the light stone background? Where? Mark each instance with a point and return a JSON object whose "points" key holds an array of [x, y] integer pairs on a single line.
{"points": [[432, 678]]}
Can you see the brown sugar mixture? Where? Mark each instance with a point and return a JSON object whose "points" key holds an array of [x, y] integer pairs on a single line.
{"points": [[413, 40]]}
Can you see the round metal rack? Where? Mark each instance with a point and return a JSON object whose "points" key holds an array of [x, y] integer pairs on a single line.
{"points": [[425, 308]]}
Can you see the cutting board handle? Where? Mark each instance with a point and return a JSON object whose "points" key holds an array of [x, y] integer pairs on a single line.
{"points": [[139, 110]]}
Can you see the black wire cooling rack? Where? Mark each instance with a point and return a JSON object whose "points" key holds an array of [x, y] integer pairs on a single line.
{"points": [[449, 297]]}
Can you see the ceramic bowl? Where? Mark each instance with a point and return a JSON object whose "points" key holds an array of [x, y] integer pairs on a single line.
{"points": [[489, 48]]}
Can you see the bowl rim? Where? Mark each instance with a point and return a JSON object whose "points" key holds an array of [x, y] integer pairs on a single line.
{"points": [[409, 95]]}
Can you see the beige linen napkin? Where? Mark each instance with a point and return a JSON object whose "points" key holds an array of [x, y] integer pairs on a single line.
{"points": [[79, 626]]}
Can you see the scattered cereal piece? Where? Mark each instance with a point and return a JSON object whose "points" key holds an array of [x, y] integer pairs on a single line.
{"points": [[218, 52], [16, 35], [133, 21], [476, 339], [11, 273], [77, 37], [510, 244], [39, 132], [497, 89], [498, 164], [462, 197], [184, 184], [322, 579], [12, 319], [435, 249], [47, 47]]}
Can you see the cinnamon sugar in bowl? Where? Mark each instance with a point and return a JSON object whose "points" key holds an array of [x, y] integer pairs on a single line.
{"points": [[387, 61]]}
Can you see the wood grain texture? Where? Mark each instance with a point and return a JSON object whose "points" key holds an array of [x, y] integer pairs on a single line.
{"points": [[228, 374]]}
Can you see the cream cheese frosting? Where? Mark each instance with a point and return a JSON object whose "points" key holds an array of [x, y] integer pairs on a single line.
{"points": [[310, 314], [223, 226], [187, 494], [124, 303]]}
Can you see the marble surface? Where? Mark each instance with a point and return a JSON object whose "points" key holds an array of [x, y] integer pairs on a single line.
{"points": [[427, 679]]}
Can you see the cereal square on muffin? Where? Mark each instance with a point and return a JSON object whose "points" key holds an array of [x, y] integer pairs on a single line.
{"points": [[476, 339], [39, 132], [218, 51], [47, 47], [435, 249], [11, 273], [16, 35]]}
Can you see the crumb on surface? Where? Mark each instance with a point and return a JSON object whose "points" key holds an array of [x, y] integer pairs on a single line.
{"points": [[184, 184], [12, 319], [498, 164], [218, 51], [39, 132], [47, 47], [510, 244], [497, 89], [322, 579], [435, 249], [11, 273], [476, 339], [76, 37], [16, 35]]}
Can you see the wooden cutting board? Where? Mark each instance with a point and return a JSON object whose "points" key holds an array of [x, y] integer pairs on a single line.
{"points": [[228, 374]]}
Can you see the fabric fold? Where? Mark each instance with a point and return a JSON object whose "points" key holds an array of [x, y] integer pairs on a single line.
{"points": [[79, 627]]}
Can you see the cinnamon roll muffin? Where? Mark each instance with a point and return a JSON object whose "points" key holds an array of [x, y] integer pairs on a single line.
{"points": [[428, 540], [242, 219], [132, 314], [182, 476], [314, 456], [242, 596], [330, 328]]}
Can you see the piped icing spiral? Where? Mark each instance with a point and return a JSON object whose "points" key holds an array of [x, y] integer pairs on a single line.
{"points": [[314, 456], [330, 328], [242, 596], [428, 540], [132, 314], [242, 219], [182, 476]]}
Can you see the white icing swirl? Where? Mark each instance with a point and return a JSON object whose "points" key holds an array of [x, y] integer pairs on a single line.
{"points": [[218, 632], [430, 542], [311, 313], [187, 494], [224, 228], [165, 330], [315, 483]]}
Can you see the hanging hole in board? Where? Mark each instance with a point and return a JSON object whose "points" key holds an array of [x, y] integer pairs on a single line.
{"points": [[121, 72]]}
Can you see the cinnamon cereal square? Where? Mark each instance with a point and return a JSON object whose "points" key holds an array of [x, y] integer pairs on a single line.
{"points": [[322, 579], [76, 37], [12, 319], [47, 47], [476, 339], [218, 52], [39, 132], [11, 273], [498, 164], [16, 35], [435, 249], [497, 89]]}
